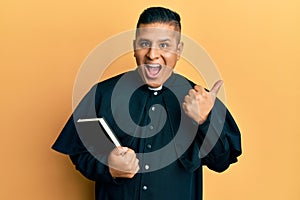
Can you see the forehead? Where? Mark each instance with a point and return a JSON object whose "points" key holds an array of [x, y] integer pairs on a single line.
{"points": [[154, 31]]}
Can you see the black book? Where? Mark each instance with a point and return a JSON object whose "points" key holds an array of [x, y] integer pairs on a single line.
{"points": [[108, 132]]}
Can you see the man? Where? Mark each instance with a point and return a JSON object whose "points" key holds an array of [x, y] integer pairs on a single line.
{"points": [[168, 126]]}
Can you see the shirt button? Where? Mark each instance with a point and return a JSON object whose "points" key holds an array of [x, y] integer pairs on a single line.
{"points": [[149, 146], [155, 93], [151, 127], [145, 187], [147, 167]]}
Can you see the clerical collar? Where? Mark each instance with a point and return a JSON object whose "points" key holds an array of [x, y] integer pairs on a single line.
{"points": [[155, 89]]}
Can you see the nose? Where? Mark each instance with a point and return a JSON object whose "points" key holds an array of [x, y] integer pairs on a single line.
{"points": [[153, 53]]}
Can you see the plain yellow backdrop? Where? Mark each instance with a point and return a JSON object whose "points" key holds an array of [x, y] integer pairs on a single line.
{"points": [[255, 44]]}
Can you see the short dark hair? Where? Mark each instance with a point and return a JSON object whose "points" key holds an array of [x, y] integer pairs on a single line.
{"points": [[160, 14]]}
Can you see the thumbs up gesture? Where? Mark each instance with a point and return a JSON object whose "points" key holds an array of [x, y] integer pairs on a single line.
{"points": [[198, 102]]}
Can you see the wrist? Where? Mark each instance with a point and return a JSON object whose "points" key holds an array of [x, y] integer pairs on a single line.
{"points": [[201, 121]]}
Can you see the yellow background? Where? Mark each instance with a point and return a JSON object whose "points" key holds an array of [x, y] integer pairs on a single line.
{"points": [[255, 44]]}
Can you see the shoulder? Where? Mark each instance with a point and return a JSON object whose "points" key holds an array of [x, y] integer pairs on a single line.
{"points": [[178, 80], [107, 86], [109, 83]]}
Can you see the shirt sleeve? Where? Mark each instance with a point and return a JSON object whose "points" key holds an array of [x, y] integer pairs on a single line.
{"points": [[220, 139], [87, 159], [68, 141], [92, 168]]}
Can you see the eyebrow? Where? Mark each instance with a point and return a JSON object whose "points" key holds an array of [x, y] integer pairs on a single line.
{"points": [[164, 40], [160, 40]]}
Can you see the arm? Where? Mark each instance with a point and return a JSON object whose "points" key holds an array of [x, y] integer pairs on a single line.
{"points": [[219, 138], [90, 152], [122, 163], [90, 167], [218, 135]]}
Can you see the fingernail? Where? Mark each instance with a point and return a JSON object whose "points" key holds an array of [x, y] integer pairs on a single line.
{"points": [[125, 149]]}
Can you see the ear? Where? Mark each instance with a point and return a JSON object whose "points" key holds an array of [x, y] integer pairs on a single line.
{"points": [[179, 49], [134, 47]]}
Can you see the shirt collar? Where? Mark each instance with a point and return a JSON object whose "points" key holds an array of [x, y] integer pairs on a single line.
{"points": [[155, 89]]}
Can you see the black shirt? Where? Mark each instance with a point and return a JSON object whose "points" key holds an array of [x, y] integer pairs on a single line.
{"points": [[171, 147]]}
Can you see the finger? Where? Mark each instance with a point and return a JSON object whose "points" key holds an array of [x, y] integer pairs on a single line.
{"points": [[115, 151], [130, 150], [215, 89], [131, 165], [187, 99], [184, 106], [198, 88], [120, 150], [130, 157], [137, 167], [134, 165], [191, 92]]}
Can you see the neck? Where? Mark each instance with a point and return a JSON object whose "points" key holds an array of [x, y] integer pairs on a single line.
{"points": [[156, 88]]}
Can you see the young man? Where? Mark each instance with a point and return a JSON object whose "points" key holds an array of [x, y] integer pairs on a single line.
{"points": [[168, 126]]}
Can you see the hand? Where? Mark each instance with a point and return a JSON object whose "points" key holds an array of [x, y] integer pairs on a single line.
{"points": [[198, 102], [123, 163]]}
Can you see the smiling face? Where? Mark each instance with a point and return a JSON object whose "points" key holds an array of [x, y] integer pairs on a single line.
{"points": [[156, 50]]}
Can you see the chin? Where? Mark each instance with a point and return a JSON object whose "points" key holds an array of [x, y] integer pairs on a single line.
{"points": [[154, 85]]}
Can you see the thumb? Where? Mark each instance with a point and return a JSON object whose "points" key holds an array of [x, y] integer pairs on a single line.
{"points": [[120, 150], [215, 89]]}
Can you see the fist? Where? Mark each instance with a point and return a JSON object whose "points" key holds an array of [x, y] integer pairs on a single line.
{"points": [[198, 102], [123, 163]]}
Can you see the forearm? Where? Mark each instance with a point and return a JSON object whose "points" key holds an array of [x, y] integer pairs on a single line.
{"points": [[220, 139], [91, 167]]}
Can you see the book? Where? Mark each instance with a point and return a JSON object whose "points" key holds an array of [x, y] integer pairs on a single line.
{"points": [[106, 128]]}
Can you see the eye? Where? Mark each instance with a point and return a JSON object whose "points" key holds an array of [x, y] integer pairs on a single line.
{"points": [[144, 44], [163, 45]]}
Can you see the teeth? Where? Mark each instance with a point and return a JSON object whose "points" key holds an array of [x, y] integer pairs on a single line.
{"points": [[153, 65], [153, 69]]}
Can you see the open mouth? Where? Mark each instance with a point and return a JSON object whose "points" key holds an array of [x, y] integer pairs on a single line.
{"points": [[153, 69]]}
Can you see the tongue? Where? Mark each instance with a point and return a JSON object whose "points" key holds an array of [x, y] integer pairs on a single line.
{"points": [[153, 70]]}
